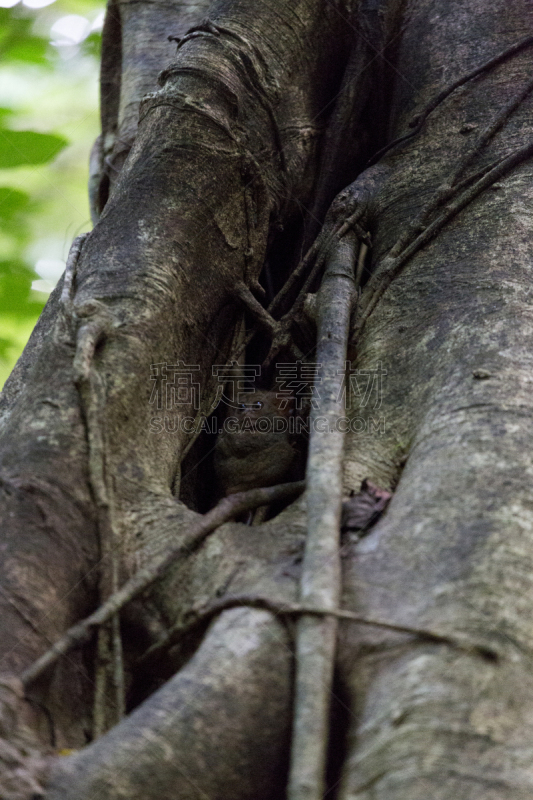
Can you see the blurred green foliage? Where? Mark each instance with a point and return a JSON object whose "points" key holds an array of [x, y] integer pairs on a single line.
{"points": [[28, 147], [17, 40], [48, 121]]}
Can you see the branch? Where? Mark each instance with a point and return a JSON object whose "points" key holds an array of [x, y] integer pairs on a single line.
{"points": [[321, 572], [308, 270], [417, 122], [224, 511], [200, 616], [70, 271], [392, 266], [453, 187]]}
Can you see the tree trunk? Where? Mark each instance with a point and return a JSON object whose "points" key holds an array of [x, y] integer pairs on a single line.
{"points": [[267, 111]]}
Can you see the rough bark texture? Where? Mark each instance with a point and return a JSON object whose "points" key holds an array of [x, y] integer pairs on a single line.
{"points": [[246, 132], [453, 332]]}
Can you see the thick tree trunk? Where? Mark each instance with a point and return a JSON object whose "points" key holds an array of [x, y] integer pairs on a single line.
{"points": [[453, 332], [246, 131]]}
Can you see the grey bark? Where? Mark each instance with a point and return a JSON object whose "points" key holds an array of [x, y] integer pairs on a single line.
{"points": [[192, 213], [320, 586]]}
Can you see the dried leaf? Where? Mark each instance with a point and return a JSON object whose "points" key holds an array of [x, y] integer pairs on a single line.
{"points": [[364, 508]]}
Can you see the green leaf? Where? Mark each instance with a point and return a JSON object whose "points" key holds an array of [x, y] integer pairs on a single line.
{"points": [[17, 42], [12, 202], [15, 286], [31, 49], [28, 147], [5, 346], [92, 45], [15, 208]]}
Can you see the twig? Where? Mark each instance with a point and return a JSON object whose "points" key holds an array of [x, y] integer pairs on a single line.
{"points": [[228, 508], [323, 238], [109, 668], [201, 616], [321, 572], [417, 122], [110, 694], [454, 186], [280, 330], [252, 304], [326, 236], [393, 266], [70, 271], [492, 129]]}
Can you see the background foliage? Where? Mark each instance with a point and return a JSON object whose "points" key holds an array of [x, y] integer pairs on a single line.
{"points": [[49, 52]]}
